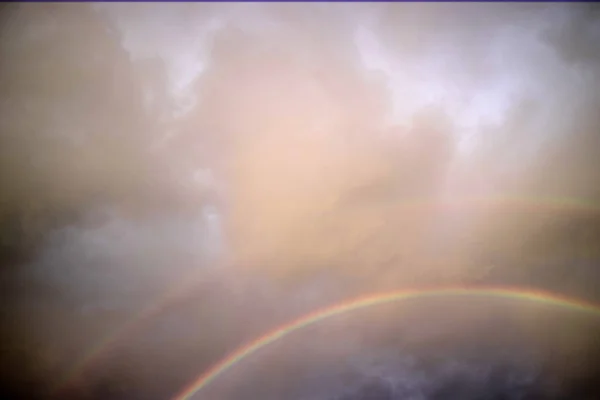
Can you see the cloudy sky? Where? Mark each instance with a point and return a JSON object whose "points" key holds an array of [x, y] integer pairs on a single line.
{"points": [[200, 173]]}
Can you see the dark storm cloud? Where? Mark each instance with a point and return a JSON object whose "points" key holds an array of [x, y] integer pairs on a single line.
{"points": [[464, 379]]}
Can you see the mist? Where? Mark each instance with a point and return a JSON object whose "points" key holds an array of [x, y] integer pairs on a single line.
{"points": [[274, 159]]}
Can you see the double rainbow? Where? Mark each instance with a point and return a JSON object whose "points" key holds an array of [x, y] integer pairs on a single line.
{"points": [[185, 285]]}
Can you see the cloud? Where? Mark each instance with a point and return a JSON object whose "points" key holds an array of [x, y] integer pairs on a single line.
{"points": [[320, 144]]}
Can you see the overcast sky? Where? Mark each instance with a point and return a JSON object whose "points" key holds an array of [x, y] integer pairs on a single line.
{"points": [[308, 153]]}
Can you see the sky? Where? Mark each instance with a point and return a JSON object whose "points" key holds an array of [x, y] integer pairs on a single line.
{"points": [[292, 156], [503, 65], [156, 29]]}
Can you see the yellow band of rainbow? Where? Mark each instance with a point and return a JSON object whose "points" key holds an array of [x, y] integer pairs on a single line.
{"points": [[376, 299]]}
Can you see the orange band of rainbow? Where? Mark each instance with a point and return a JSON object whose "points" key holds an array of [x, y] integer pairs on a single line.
{"points": [[363, 302]]}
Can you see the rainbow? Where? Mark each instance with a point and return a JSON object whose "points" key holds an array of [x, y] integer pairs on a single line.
{"points": [[508, 293], [124, 331], [187, 283], [562, 204]]}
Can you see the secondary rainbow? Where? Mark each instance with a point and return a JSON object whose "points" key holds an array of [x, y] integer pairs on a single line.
{"points": [[125, 331], [376, 299]]}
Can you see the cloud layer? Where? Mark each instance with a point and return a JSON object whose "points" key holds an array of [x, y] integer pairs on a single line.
{"points": [[285, 156]]}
